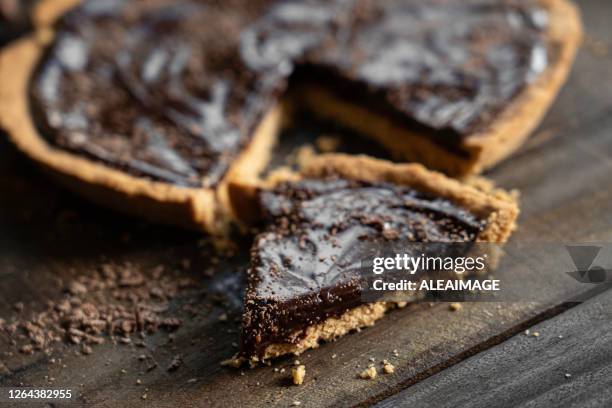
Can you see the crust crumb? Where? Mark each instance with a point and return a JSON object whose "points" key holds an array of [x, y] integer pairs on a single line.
{"points": [[304, 155], [279, 175], [327, 144], [44, 36], [369, 373], [234, 362], [389, 368], [455, 307], [596, 46], [298, 374]]}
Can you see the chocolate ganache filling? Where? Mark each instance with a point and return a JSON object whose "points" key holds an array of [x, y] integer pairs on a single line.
{"points": [[302, 269], [173, 90]]}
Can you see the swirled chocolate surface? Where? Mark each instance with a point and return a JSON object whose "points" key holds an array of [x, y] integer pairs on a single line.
{"points": [[304, 263], [173, 90]]}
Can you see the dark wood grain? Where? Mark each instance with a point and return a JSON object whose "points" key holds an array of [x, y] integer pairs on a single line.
{"points": [[568, 365], [47, 235]]}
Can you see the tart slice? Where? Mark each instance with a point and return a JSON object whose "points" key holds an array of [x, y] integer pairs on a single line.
{"points": [[298, 292]]}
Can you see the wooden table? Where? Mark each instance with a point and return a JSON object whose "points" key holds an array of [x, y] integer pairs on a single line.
{"points": [[477, 356]]}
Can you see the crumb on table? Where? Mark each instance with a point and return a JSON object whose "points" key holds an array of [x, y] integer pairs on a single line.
{"points": [[369, 373], [297, 374], [455, 306]]}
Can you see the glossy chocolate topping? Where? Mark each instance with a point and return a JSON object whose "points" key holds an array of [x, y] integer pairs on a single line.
{"points": [[172, 90], [303, 263], [157, 88]]}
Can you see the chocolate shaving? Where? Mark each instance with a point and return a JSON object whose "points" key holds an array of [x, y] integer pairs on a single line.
{"points": [[112, 301]]}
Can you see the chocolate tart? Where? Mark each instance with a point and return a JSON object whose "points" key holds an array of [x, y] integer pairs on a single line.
{"points": [[301, 289], [156, 107]]}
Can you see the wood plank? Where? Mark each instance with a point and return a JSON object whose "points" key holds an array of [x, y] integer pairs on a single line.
{"points": [[568, 365], [47, 234]]}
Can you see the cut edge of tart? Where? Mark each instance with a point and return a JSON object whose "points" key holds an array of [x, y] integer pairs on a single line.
{"points": [[496, 207], [486, 147], [190, 207]]}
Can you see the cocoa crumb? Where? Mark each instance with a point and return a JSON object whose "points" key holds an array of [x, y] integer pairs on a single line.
{"points": [[26, 349], [390, 234], [113, 300], [76, 288], [130, 278], [176, 362], [157, 292]]}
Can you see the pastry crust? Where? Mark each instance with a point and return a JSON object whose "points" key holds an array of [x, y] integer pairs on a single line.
{"points": [[330, 329], [487, 147], [198, 208]]}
